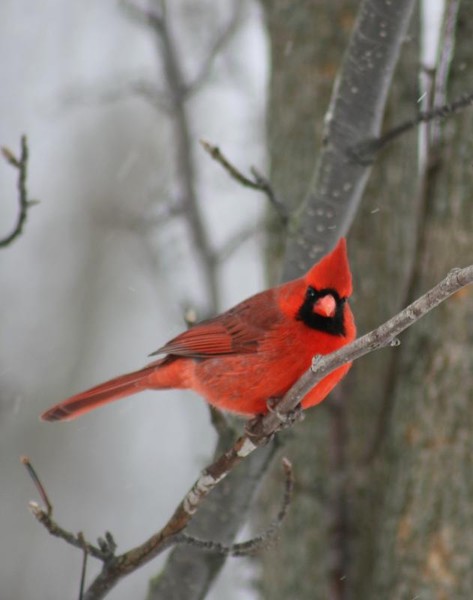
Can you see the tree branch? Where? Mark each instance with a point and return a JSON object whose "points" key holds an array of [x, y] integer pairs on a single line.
{"points": [[355, 113], [260, 431], [365, 151], [21, 164], [258, 182], [184, 160], [259, 542]]}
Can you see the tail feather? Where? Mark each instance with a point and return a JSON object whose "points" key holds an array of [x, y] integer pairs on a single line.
{"points": [[119, 387]]}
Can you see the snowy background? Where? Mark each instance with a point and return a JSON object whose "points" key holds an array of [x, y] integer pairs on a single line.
{"points": [[87, 292]]}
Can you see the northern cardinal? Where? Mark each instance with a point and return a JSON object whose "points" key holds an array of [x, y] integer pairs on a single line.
{"points": [[251, 353]]}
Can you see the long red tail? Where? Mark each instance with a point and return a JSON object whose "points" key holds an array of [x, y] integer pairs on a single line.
{"points": [[119, 387]]}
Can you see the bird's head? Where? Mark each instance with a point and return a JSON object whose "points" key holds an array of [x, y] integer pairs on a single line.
{"points": [[319, 297], [332, 272]]}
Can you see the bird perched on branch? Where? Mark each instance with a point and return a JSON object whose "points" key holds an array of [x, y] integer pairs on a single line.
{"points": [[251, 353]]}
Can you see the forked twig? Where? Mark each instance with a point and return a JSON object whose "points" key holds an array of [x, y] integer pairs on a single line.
{"points": [[259, 182]]}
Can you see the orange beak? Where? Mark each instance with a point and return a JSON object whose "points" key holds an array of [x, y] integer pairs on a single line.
{"points": [[326, 306]]}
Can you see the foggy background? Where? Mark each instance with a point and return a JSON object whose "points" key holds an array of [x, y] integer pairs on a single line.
{"points": [[92, 286]]}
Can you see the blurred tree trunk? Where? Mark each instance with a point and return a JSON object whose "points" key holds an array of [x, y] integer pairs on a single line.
{"points": [[418, 542], [381, 511], [307, 45]]}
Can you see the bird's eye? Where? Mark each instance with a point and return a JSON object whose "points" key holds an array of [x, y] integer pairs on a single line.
{"points": [[311, 294]]}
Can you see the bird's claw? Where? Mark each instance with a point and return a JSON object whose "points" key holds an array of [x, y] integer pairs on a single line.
{"points": [[254, 431], [286, 419]]}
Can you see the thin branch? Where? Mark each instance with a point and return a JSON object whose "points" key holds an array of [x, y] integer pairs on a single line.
{"points": [[222, 39], [104, 553], [258, 435], [259, 182], [84, 566], [21, 164], [38, 484], [364, 152], [384, 335], [256, 543]]}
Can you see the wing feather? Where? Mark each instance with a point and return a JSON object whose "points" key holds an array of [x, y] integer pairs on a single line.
{"points": [[237, 331]]}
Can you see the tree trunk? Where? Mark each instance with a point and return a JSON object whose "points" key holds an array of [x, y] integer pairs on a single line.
{"points": [[384, 484], [307, 45], [418, 543]]}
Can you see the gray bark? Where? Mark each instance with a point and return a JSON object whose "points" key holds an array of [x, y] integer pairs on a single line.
{"points": [[314, 540], [384, 478], [419, 541], [354, 115]]}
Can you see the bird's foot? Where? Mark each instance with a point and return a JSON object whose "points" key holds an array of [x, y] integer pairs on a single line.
{"points": [[286, 419], [254, 430], [254, 427]]}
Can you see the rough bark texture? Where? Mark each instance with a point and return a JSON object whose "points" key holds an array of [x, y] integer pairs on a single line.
{"points": [[354, 115], [419, 543], [384, 247], [307, 45], [399, 524]]}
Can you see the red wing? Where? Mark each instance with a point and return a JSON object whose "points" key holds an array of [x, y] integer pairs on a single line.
{"points": [[238, 331]]}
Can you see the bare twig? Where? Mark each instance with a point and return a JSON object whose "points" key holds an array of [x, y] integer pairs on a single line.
{"points": [[84, 566], [258, 182], [21, 164], [76, 540], [262, 429], [364, 152], [384, 335], [39, 486], [256, 543]]}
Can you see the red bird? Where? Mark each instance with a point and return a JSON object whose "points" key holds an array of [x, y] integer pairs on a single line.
{"points": [[253, 352]]}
